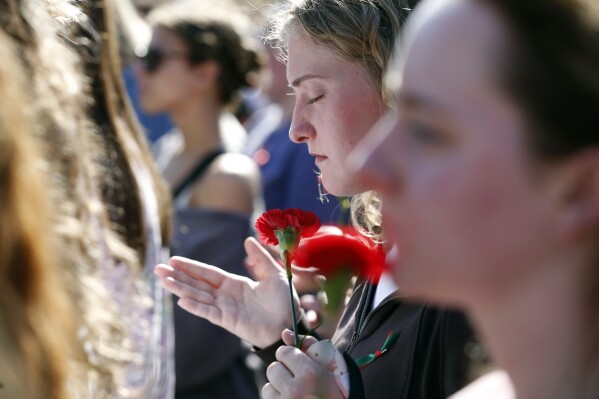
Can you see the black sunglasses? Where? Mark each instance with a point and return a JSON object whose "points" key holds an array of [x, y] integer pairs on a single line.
{"points": [[154, 57]]}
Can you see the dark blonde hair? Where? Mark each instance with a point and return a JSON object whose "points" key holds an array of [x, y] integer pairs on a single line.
{"points": [[96, 231], [36, 330], [362, 32], [121, 134]]}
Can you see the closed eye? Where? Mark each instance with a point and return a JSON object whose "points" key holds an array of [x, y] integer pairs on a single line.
{"points": [[315, 99], [428, 135]]}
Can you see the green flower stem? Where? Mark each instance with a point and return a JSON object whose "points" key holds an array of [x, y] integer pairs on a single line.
{"points": [[287, 261]]}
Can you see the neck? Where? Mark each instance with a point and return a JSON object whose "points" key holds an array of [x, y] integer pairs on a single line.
{"points": [[534, 331], [198, 122]]}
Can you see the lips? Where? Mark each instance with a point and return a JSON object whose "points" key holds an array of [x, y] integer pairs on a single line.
{"points": [[318, 157]]}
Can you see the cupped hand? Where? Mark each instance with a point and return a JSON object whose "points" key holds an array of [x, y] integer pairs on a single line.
{"points": [[295, 375], [254, 310]]}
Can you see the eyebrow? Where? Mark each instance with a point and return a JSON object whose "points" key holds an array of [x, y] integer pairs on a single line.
{"points": [[413, 100], [303, 78]]}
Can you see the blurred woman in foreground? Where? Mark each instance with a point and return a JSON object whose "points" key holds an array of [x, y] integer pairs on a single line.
{"points": [[489, 176]]}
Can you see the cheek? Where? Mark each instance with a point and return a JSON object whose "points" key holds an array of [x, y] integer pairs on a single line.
{"points": [[336, 175], [469, 228], [162, 90], [349, 125]]}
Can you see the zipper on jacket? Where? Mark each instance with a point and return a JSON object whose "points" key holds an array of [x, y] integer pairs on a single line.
{"points": [[365, 317]]}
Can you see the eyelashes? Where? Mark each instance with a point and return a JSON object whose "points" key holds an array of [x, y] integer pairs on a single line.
{"points": [[315, 99], [311, 101]]}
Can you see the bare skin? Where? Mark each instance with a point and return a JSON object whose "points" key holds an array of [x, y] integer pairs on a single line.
{"points": [[254, 310], [296, 376]]}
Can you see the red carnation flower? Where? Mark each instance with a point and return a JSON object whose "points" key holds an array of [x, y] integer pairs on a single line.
{"points": [[333, 250], [285, 228], [304, 222], [339, 255]]}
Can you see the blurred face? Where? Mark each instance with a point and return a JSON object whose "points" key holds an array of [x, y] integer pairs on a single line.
{"points": [[166, 79], [462, 198], [335, 105]]}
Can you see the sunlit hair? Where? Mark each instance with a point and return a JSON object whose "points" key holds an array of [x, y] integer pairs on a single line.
{"points": [[358, 31], [553, 76], [66, 136], [134, 33], [122, 136], [36, 332], [217, 31], [97, 233], [362, 32]]}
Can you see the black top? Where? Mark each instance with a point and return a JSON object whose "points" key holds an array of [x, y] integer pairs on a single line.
{"points": [[426, 361]]}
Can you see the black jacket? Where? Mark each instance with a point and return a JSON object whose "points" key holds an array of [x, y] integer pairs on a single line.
{"points": [[426, 361]]}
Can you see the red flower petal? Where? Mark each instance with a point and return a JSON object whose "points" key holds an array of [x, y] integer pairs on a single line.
{"points": [[306, 223], [333, 252]]}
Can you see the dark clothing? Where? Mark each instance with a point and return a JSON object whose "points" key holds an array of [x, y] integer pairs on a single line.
{"points": [[210, 362], [427, 361]]}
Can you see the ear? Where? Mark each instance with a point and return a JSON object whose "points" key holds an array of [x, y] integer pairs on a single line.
{"points": [[579, 195], [206, 74]]}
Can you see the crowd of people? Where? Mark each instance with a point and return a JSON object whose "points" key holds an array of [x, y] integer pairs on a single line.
{"points": [[463, 134]]}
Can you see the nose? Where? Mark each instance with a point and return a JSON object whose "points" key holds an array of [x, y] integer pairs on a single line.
{"points": [[301, 133], [374, 161], [301, 130]]}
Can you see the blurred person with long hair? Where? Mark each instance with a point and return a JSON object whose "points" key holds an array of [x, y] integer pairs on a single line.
{"points": [[111, 212]]}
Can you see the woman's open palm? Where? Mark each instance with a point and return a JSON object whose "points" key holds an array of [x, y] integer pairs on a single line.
{"points": [[256, 311]]}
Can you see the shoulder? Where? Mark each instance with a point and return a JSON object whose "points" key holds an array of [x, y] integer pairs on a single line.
{"points": [[494, 385], [232, 183], [234, 164], [233, 171]]}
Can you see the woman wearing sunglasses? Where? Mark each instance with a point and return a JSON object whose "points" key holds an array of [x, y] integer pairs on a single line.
{"points": [[489, 173], [195, 66]]}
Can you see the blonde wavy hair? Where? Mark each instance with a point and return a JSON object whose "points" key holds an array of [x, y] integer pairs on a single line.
{"points": [[362, 32], [36, 329], [96, 230]]}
